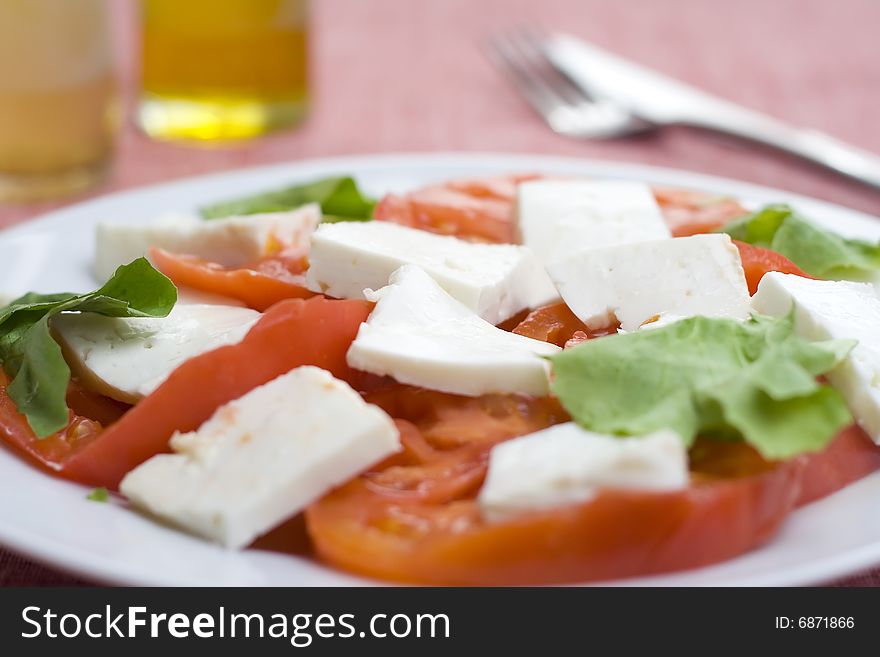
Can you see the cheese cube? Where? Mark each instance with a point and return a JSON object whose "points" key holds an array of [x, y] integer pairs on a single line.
{"points": [[495, 281], [126, 358], [231, 242], [634, 283], [263, 458], [420, 335], [558, 218], [567, 464], [835, 310]]}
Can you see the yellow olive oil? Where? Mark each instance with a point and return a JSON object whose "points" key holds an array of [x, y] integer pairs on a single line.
{"points": [[218, 70]]}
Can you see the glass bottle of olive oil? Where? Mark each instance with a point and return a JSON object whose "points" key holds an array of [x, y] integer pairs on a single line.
{"points": [[220, 70]]}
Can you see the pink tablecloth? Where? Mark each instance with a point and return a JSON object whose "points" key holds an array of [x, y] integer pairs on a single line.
{"points": [[397, 75]]}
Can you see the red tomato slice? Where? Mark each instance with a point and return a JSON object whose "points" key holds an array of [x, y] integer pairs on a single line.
{"points": [[450, 211], [689, 212], [52, 452], [444, 478], [849, 458], [260, 286], [291, 333], [93, 405], [558, 325], [440, 538], [447, 421], [416, 450], [483, 208], [502, 188], [758, 261], [471, 208]]}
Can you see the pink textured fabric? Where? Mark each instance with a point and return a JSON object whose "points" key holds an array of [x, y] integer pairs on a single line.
{"points": [[397, 75]]}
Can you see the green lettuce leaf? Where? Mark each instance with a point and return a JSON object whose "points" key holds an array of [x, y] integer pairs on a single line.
{"points": [[817, 251], [339, 198], [33, 359], [753, 380]]}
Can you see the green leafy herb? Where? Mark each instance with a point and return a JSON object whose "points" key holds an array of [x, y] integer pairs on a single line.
{"points": [[339, 198], [753, 380], [99, 495], [817, 251], [33, 359]]}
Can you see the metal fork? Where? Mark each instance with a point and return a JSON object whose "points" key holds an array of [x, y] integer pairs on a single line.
{"points": [[565, 107], [585, 92]]}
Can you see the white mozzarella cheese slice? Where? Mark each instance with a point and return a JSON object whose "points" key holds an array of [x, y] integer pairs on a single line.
{"points": [[263, 458], [420, 335], [495, 281], [191, 296], [567, 464], [835, 310], [633, 283], [558, 218], [231, 241], [126, 358]]}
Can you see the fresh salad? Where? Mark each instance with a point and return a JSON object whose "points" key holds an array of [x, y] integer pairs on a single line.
{"points": [[517, 380]]}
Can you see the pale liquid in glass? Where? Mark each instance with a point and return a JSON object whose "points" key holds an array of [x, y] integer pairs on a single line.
{"points": [[58, 108], [216, 70]]}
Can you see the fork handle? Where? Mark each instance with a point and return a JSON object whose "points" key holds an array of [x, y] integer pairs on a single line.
{"points": [[810, 145]]}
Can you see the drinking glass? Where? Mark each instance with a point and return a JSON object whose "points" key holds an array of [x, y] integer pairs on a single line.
{"points": [[217, 70], [58, 103]]}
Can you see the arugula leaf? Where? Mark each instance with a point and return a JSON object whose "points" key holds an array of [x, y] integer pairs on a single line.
{"points": [[33, 359], [339, 197], [40, 383], [99, 495], [817, 251], [753, 380]]}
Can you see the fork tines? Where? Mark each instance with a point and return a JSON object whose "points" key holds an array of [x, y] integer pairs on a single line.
{"points": [[566, 108]]}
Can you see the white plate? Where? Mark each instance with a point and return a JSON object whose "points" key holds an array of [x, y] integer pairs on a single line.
{"points": [[51, 520]]}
